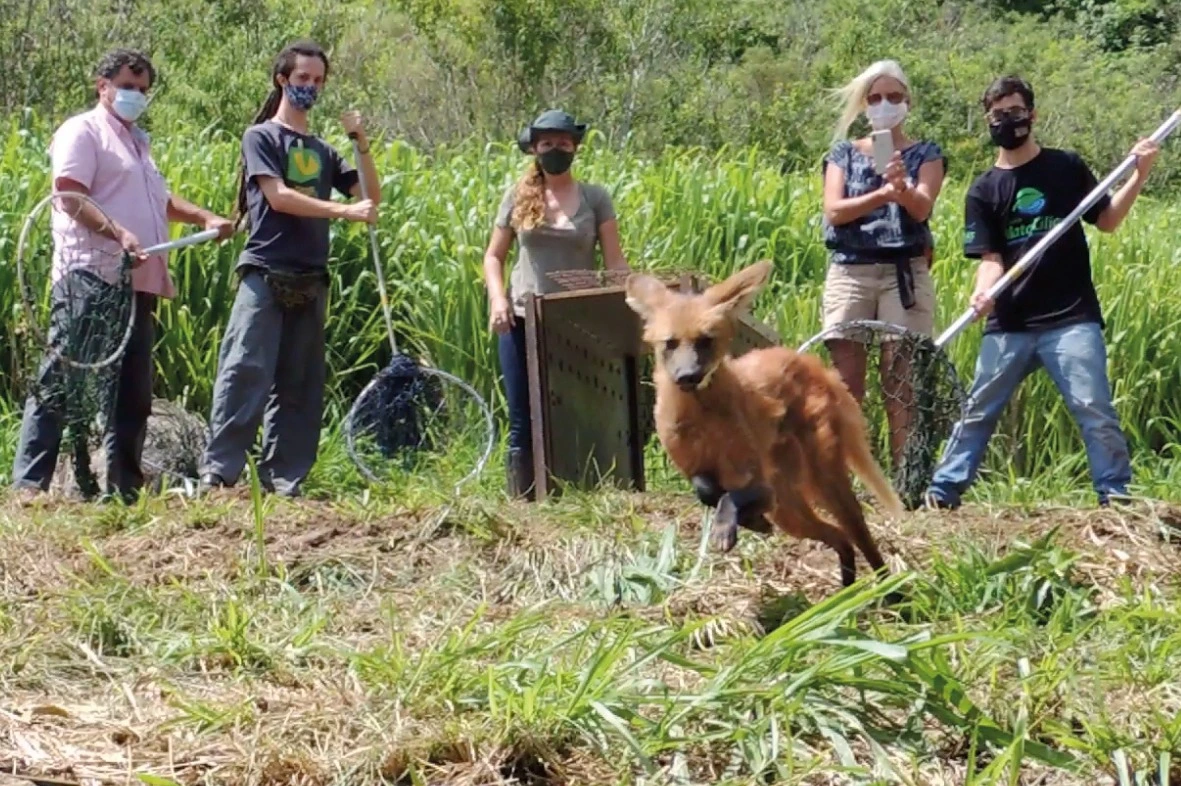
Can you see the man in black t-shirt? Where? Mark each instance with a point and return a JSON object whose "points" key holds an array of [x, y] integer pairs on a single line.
{"points": [[1050, 316], [272, 367]]}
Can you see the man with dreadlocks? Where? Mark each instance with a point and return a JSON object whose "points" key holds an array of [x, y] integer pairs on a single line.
{"points": [[103, 154], [271, 366]]}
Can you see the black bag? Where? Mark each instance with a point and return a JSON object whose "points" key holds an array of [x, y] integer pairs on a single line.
{"points": [[296, 290]]}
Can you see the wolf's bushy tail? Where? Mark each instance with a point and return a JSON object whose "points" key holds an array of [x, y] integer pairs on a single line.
{"points": [[859, 457]]}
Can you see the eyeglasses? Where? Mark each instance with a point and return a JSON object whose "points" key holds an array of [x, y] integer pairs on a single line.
{"points": [[1012, 113], [894, 97]]}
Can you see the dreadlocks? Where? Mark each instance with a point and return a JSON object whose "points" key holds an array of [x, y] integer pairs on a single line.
{"points": [[284, 64]]}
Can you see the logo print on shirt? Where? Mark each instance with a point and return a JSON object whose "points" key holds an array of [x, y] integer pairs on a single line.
{"points": [[1029, 202], [303, 165]]}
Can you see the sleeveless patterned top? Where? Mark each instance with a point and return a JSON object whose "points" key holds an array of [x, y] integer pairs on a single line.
{"points": [[887, 233]]}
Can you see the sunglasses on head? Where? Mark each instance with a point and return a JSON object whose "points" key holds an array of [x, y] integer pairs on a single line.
{"points": [[894, 97]]}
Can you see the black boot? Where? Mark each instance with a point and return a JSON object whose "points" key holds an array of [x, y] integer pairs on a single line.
{"points": [[519, 468]]}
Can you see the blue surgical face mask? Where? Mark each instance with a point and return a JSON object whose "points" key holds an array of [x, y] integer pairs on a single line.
{"points": [[302, 97], [129, 104]]}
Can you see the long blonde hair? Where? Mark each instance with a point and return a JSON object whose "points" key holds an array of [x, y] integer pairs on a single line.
{"points": [[851, 97], [529, 198]]}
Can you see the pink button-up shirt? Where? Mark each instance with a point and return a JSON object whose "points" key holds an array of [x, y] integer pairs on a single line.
{"points": [[115, 164]]}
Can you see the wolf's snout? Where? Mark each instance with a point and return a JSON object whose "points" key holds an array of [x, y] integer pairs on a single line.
{"points": [[689, 380]]}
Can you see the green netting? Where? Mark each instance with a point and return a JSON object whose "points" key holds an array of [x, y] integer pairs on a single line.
{"points": [[76, 321], [87, 323]]}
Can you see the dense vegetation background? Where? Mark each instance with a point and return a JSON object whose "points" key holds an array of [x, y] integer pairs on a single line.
{"points": [[649, 72]]}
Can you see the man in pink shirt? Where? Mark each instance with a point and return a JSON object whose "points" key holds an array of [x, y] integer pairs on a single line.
{"points": [[105, 155]]}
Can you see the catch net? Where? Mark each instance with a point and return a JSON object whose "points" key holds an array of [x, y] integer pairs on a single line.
{"points": [[913, 396], [76, 322], [421, 421]]}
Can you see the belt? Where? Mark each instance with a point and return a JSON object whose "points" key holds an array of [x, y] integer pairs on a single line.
{"points": [[296, 290], [905, 276]]}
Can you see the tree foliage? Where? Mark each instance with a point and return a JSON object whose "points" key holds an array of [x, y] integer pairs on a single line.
{"points": [[647, 73]]}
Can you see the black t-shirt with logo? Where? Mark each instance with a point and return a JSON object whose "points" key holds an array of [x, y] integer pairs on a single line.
{"points": [[1007, 211], [282, 241]]}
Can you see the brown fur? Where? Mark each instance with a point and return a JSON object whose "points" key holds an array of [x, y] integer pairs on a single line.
{"points": [[772, 418]]}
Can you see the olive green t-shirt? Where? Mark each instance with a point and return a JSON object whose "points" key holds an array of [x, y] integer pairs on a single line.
{"points": [[546, 248]]}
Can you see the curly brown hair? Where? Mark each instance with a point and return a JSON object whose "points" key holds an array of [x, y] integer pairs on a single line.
{"points": [[529, 199], [113, 62]]}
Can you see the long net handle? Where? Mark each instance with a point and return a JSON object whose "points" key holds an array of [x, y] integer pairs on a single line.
{"points": [[1031, 256], [385, 304], [187, 240]]}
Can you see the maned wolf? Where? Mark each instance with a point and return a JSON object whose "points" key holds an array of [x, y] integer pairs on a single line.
{"points": [[765, 437]]}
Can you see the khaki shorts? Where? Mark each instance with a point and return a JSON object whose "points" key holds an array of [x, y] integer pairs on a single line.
{"points": [[870, 291]]}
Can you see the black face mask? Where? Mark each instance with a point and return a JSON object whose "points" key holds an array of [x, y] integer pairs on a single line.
{"points": [[555, 161], [1010, 134]]}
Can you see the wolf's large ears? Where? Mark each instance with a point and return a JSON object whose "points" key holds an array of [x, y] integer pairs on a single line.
{"points": [[645, 294], [737, 292]]}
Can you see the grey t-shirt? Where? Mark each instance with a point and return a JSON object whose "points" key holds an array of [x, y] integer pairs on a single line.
{"points": [[546, 248], [306, 163]]}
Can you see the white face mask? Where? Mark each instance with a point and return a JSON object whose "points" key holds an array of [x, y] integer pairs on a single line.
{"points": [[885, 115], [129, 104]]}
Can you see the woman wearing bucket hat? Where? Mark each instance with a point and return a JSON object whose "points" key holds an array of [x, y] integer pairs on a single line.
{"points": [[557, 222]]}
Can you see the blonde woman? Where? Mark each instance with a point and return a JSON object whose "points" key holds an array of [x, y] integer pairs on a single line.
{"points": [[876, 230], [557, 222]]}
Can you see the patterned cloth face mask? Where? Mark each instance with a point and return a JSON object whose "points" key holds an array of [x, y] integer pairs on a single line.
{"points": [[302, 97]]}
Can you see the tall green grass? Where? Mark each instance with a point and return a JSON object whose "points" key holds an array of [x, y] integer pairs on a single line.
{"points": [[687, 209]]}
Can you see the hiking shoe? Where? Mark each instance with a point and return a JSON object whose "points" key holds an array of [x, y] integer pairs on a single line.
{"points": [[1115, 498], [932, 501], [210, 481]]}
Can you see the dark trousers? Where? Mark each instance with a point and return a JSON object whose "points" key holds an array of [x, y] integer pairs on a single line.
{"points": [[130, 382], [511, 346], [271, 370]]}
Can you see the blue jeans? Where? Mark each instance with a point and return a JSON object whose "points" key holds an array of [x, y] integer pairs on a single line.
{"points": [[1076, 359], [511, 346]]}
